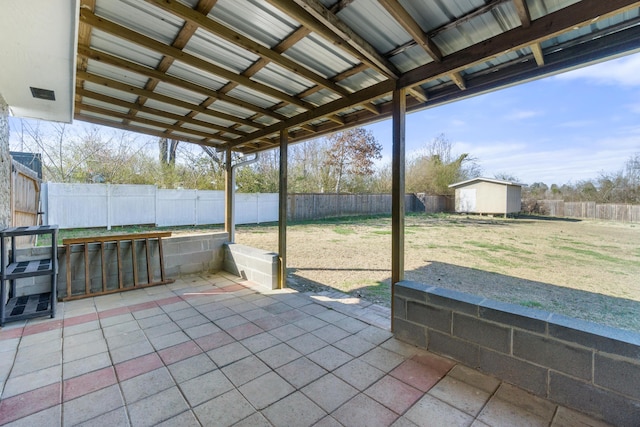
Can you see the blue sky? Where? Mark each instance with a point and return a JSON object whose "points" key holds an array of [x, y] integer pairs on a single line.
{"points": [[562, 129]]}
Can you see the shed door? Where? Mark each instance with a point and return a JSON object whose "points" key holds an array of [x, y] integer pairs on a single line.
{"points": [[467, 200]]}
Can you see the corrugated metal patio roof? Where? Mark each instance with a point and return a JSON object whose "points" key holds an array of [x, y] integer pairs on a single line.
{"points": [[234, 73]]}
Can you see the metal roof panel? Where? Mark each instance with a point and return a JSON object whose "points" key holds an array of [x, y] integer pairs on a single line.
{"points": [[141, 17], [152, 103], [104, 90], [319, 55], [282, 79], [125, 49], [370, 20], [193, 75], [115, 73], [220, 52], [179, 93], [257, 20]]}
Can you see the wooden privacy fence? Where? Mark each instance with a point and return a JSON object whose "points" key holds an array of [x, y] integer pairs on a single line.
{"points": [[303, 206], [25, 197], [592, 210], [127, 268], [436, 204]]}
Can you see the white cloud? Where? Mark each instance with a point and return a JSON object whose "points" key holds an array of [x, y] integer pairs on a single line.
{"points": [[622, 71], [559, 166], [522, 114]]}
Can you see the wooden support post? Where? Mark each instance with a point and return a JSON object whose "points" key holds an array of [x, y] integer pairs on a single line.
{"points": [[229, 190], [282, 211], [134, 260], [103, 265], [397, 193], [87, 276], [67, 252], [147, 252], [119, 257], [161, 255]]}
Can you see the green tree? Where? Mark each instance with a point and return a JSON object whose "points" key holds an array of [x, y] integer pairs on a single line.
{"points": [[537, 190], [433, 170], [261, 176]]}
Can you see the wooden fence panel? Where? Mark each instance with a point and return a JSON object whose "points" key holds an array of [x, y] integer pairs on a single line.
{"points": [[25, 200], [433, 204], [302, 207], [554, 207], [593, 210]]}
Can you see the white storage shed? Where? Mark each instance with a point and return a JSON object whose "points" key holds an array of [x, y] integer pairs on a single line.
{"points": [[488, 196]]}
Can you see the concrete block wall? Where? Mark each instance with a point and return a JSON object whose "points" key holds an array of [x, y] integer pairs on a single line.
{"points": [[182, 255], [589, 367], [194, 253], [253, 264]]}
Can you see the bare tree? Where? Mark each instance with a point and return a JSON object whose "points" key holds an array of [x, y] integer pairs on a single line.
{"points": [[167, 157], [168, 149], [352, 152], [62, 160]]}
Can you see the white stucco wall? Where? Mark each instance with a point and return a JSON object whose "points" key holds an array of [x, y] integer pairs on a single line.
{"points": [[5, 166]]}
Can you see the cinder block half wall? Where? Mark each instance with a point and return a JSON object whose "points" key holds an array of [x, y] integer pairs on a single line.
{"points": [[586, 366], [253, 264]]}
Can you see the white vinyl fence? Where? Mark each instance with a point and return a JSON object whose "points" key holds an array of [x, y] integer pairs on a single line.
{"points": [[106, 205]]}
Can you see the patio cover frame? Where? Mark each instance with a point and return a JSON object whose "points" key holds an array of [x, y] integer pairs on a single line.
{"points": [[242, 76]]}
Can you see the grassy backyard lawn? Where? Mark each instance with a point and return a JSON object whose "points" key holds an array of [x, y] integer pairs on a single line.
{"points": [[584, 269]]}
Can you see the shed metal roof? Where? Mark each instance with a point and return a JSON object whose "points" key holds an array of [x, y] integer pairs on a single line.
{"points": [[234, 73], [490, 180]]}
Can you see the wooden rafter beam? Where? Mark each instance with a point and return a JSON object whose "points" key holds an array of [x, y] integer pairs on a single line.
{"points": [[84, 30], [481, 10], [285, 44], [563, 20], [180, 41], [115, 61], [197, 19], [536, 49], [418, 93], [313, 15], [523, 12], [114, 84], [149, 43], [142, 130], [360, 97], [339, 5], [150, 122], [549, 26], [458, 80], [399, 13], [156, 112]]}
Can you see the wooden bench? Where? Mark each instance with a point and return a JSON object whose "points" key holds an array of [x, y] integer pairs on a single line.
{"points": [[117, 239]]}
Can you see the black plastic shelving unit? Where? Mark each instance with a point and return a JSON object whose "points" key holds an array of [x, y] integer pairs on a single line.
{"points": [[13, 307]]}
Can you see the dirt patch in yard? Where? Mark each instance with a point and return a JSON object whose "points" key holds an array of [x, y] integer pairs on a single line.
{"points": [[584, 269]]}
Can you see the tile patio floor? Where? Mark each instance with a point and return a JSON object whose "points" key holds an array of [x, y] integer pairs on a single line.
{"points": [[214, 351]]}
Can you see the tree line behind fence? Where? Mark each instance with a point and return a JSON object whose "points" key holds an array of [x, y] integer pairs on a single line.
{"points": [[105, 205]]}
